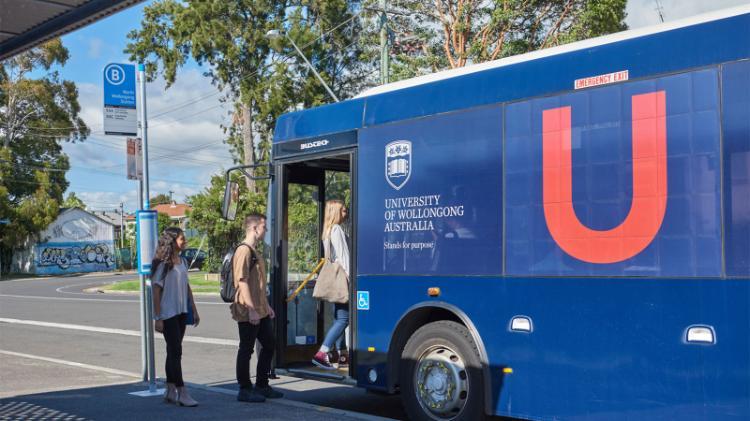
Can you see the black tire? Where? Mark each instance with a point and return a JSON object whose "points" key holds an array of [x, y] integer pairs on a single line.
{"points": [[427, 347]]}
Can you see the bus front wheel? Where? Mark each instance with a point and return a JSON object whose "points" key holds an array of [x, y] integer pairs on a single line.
{"points": [[441, 375]]}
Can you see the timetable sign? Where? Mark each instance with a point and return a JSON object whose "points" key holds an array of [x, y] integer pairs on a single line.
{"points": [[120, 113]]}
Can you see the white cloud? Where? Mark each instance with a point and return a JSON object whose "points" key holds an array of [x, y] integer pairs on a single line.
{"points": [[95, 47], [108, 200], [191, 137], [643, 12]]}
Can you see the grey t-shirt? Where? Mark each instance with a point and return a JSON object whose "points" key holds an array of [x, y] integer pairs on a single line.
{"points": [[174, 295]]}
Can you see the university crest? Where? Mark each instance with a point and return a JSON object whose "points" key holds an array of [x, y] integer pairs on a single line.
{"points": [[398, 163]]}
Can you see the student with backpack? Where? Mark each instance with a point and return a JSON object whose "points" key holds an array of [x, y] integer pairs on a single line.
{"points": [[252, 312], [174, 309]]}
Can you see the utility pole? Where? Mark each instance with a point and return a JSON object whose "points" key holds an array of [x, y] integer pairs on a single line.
{"points": [[122, 227], [383, 42], [660, 10]]}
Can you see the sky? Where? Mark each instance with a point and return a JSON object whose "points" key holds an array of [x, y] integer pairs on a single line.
{"points": [[185, 143]]}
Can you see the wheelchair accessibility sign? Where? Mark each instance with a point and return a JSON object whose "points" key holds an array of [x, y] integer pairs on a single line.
{"points": [[363, 300]]}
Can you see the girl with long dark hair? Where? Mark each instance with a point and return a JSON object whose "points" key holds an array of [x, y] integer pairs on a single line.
{"points": [[173, 303]]}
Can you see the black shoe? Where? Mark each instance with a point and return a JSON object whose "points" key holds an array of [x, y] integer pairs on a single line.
{"points": [[250, 395], [268, 392]]}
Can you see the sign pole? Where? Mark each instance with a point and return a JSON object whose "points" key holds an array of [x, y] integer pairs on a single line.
{"points": [[121, 118], [146, 206], [144, 320]]}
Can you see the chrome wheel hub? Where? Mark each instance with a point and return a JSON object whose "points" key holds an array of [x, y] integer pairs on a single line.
{"points": [[441, 382]]}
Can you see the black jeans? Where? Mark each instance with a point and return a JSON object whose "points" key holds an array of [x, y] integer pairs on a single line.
{"points": [[174, 331], [263, 332]]}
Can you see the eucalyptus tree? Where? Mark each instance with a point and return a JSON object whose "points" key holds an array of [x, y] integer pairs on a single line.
{"points": [[38, 113]]}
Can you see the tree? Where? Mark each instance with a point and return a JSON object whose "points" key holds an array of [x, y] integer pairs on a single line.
{"points": [[163, 221], [206, 217], [73, 201], [454, 33], [230, 36], [160, 199], [38, 112]]}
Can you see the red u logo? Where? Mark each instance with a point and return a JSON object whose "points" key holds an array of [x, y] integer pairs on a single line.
{"points": [[649, 201]]}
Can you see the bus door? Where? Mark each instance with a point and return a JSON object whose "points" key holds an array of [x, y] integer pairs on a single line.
{"points": [[302, 321]]}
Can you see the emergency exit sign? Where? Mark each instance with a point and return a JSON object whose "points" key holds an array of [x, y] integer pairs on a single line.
{"points": [[588, 82]]}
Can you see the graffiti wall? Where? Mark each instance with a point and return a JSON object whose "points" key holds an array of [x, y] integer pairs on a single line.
{"points": [[76, 242]]}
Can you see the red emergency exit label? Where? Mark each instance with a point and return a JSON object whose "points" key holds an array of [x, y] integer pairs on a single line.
{"points": [[601, 79]]}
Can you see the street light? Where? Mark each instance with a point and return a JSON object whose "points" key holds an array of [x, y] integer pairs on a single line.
{"points": [[275, 34]]}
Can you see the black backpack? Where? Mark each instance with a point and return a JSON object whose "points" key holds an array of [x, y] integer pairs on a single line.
{"points": [[226, 283]]}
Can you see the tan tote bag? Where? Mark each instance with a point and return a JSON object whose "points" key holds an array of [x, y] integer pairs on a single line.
{"points": [[332, 284]]}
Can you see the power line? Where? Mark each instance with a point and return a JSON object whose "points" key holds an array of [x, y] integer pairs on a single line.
{"points": [[285, 59], [97, 170], [272, 63], [70, 185]]}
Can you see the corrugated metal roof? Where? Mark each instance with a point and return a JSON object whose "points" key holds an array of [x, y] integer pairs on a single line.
{"points": [[27, 23]]}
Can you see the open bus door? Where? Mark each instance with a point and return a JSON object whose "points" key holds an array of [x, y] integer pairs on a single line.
{"points": [[296, 205], [304, 186]]}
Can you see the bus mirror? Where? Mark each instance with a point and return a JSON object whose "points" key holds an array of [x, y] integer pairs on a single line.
{"points": [[231, 201]]}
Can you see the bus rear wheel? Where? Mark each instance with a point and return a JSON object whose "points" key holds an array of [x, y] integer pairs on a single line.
{"points": [[441, 375]]}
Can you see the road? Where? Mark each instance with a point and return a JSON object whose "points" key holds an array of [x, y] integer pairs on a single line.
{"points": [[51, 325]]}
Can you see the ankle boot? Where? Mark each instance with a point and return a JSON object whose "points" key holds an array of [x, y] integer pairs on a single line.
{"points": [[184, 398], [170, 395]]}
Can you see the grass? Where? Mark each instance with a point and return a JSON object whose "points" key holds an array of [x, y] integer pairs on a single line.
{"points": [[197, 283]]}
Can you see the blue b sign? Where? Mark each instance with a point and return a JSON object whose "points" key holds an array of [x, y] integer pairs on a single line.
{"points": [[120, 116], [363, 300]]}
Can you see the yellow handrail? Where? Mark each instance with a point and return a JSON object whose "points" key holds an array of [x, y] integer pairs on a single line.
{"points": [[302, 285]]}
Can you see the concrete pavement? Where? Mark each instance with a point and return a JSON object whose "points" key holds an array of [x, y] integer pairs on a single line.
{"points": [[62, 392], [51, 332]]}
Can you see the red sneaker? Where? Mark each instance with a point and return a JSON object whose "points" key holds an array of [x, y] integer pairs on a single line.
{"points": [[321, 360]]}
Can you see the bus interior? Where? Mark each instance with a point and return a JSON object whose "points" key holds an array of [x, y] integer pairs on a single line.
{"points": [[302, 189]]}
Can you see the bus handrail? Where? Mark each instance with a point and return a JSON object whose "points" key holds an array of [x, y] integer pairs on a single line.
{"points": [[302, 285]]}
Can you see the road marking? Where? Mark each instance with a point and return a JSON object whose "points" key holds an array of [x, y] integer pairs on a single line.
{"points": [[62, 289], [72, 364], [195, 339], [103, 300]]}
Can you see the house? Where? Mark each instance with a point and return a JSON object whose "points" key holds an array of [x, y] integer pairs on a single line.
{"points": [[177, 212], [77, 241], [114, 217]]}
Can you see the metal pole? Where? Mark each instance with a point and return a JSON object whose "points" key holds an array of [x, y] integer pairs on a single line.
{"points": [[142, 284], [383, 43], [310, 66], [122, 227], [145, 200], [142, 281]]}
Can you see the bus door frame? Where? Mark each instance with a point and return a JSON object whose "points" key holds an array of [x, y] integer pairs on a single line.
{"points": [[279, 265]]}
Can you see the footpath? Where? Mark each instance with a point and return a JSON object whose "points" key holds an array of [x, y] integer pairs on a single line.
{"points": [[45, 389]]}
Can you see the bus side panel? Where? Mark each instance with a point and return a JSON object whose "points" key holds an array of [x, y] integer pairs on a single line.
{"points": [[609, 338], [604, 349], [606, 127], [736, 127], [430, 195]]}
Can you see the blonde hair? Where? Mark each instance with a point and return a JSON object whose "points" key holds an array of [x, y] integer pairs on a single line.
{"points": [[333, 216]]}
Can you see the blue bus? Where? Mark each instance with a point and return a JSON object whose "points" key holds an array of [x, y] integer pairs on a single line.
{"points": [[563, 234]]}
